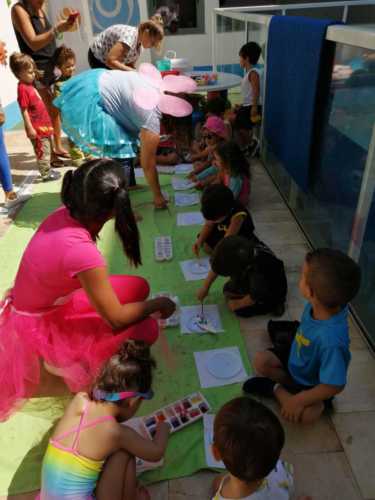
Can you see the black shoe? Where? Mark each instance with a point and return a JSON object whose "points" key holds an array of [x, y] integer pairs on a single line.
{"points": [[282, 331], [259, 386]]}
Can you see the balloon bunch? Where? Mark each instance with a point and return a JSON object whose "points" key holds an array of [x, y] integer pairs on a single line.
{"points": [[73, 17], [3, 53]]}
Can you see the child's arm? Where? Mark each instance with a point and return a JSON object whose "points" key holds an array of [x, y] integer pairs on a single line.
{"points": [[205, 288], [201, 155], [235, 224], [255, 84], [293, 407], [147, 449], [203, 235], [30, 130]]}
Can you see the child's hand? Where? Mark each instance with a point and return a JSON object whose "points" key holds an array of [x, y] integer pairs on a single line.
{"points": [[166, 307], [292, 409], [163, 427], [192, 176], [196, 248], [202, 293], [199, 185], [31, 133]]}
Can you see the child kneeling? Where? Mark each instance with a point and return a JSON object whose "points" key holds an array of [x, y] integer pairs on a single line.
{"points": [[249, 438], [89, 450], [304, 373]]}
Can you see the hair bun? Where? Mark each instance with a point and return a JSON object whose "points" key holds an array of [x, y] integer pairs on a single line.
{"points": [[158, 19], [134, 350]]}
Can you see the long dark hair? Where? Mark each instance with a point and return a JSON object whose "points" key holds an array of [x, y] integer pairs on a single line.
{"points": [[96, 192], [231, 155], [129, 370]]}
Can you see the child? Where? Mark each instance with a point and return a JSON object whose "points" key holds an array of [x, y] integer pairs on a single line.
{"points": [[312, 368], [257, 283], [249, 113], [249, 438], [214, 133], [233, 170], [166, 153], [224, 217], [89, 450], [65, 61], [37, 122]]}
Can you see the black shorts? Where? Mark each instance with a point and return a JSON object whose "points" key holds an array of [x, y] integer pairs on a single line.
{"points": [[242, 120], [282, 352]]}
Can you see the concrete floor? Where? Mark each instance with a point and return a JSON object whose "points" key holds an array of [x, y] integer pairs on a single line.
{"points": [[334, 459]]}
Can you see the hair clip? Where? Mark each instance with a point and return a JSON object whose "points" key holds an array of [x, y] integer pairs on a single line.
{"points": [[119, 396]]}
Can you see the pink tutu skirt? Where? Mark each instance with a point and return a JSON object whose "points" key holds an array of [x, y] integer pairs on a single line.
{"points": [[71, 337]]}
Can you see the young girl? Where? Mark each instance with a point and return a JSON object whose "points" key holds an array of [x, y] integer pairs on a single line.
{"points": [[233, 170], [90, 452], [65, 61], [214, 133], [37, 122], [76, 316], [249, 439]]}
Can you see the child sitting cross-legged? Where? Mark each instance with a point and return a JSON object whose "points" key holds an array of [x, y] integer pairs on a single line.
{"points": [[249, 438], [304, 373], [257, 283], [90, 452]]}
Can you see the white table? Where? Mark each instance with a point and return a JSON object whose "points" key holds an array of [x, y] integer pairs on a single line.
{"points": [[225, 81]]}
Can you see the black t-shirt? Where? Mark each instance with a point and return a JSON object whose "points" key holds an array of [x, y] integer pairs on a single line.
{"points": [[238, 210], [264, 280]]}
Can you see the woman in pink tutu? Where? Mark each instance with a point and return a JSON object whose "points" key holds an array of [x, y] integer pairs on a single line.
{"points": [[64, 309]]}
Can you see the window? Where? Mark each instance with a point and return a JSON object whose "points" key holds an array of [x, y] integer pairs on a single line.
{"points": [[181, 17]]}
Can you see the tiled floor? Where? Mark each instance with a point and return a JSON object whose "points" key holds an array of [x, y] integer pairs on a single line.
{"points": [[334, 459]]}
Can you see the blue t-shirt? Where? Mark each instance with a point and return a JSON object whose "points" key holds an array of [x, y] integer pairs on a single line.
{"points": [[320, 351]]}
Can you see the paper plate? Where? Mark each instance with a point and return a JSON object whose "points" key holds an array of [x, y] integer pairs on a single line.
{"points": [[224, 365], [199, 267]]}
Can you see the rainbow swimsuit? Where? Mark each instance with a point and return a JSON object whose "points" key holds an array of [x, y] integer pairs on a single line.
{"points": [[66, 473]]}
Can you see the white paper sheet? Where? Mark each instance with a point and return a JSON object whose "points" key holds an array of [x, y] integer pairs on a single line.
{"points": [[186, 199], [190, 219], [208, 429], [188, 315], [138, 172], [194, 270], [181, 183], [183, 168], [165, 169], [203, 359]]}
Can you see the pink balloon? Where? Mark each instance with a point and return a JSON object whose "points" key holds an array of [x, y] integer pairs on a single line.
{"points": [[147, 98], [175, 106], [177, 84]]}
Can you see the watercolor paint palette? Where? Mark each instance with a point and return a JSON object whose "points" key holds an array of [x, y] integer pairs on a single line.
{"points": [[178, 414]]}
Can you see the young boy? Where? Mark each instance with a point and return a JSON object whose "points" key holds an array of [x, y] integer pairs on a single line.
{"points": [[249, 438], [248, 114], [306, 373], [257, 283]]}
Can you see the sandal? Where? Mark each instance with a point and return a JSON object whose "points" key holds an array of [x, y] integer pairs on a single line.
{"points": [[56, 163]]}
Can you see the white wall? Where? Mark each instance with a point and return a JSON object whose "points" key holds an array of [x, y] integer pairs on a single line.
{"points": [[8, 83]]}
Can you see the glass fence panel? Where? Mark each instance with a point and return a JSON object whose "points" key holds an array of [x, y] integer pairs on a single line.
{"points": [[326, 211], [361, 14]]}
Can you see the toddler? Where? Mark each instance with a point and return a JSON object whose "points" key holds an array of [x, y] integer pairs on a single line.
{"points": [[306, 370], [89, 450], [257, 283], [37, 122], [65, 61], [249, 439], [249, 113]]}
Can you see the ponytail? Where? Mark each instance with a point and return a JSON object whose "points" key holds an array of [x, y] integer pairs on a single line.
{"points": [[66, 191], [126, 226]]}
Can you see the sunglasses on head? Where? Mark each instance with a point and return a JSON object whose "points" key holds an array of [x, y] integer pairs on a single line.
{"points": [[119, 396]]}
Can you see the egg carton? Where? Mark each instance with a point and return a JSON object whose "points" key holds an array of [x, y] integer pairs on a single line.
{"points": [[163, 248]]}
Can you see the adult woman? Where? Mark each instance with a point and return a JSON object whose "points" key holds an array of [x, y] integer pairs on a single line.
{"points": [[36, 38], [119, 46], [110, 117], [76, 316]]}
